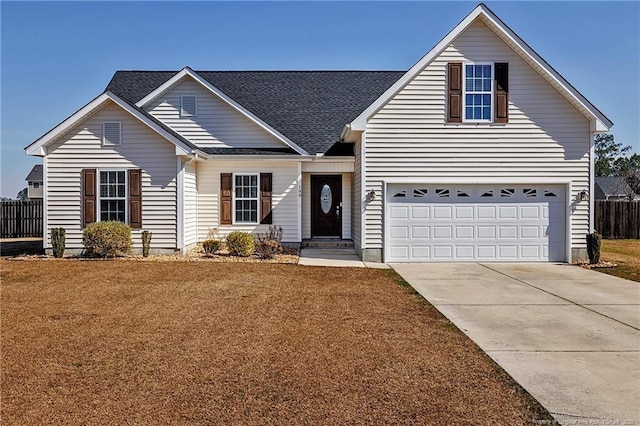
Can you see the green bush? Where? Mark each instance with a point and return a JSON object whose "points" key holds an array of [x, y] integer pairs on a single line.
{"points": [[58, 241], [210, 246], [146, 243], [107, 239], [240, 243]]}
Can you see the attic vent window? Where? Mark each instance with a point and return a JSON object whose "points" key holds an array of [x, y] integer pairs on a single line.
{"points": [[111, 133], [188, 106]]}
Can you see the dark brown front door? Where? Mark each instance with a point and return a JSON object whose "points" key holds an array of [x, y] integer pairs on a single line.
{"points": [[326, 206]]}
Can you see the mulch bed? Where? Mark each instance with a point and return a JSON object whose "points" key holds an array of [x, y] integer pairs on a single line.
{"points": [[133, 342]]}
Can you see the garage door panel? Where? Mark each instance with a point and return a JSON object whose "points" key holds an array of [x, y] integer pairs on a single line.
{"points": [[443, 252], [442, 212], [420, 232], [420, 212], [463, 231], [442, 232], [464, 252], [464, 212], [485, 222]]}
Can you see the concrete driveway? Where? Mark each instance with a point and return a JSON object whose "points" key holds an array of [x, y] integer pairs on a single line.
{"points": [[569, 336]]}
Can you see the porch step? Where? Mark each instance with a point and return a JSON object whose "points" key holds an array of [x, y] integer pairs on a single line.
{"points": [[327, 244]]}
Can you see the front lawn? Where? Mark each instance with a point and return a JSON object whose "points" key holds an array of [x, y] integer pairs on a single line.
{"points": [[127, 342], [625, 253]]}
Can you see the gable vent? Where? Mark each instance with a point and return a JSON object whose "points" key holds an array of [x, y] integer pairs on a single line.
{"points": [[111, 133], [189, 106]]}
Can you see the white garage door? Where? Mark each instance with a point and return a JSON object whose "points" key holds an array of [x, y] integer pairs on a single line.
{"points": [[475, 223]]}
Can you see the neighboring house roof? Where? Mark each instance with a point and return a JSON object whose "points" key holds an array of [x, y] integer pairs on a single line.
{"points": [[602, 123], [35, 175], [614, 186], [308, 107]]}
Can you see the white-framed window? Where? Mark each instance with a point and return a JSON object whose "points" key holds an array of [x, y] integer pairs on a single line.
{"points": [[112, 195], [111, 133], [188, 106], [36, 185], [478, 92], [245, 198]]}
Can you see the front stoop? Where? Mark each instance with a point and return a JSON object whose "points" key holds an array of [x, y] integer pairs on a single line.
{"points": [[327, 243]]}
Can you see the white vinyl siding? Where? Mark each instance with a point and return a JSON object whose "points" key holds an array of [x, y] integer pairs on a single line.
{"points": [[284, 196], [190, 204], [217, 124], [546, 137], [81, 148]]}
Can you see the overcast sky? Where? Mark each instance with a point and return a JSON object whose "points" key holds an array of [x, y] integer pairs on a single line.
{"points": [[57, 56]]}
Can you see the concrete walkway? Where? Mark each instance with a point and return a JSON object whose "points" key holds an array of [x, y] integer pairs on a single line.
{"points": [[343, 257], [569, 336]]}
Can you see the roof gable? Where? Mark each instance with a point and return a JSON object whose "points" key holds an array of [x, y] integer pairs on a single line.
{"points": [[188, 72], [308, 107], [600, 122], [38, 147]]}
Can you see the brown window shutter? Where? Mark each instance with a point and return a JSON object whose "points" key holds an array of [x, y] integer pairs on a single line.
{"points": [[88, 196], [454, 92], [225, 198], [266, 187], [502, 92], [135, 198]]}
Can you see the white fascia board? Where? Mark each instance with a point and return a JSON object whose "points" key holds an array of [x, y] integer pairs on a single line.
{"points": [[551, 73], [266, 158], [484, 12], [38, 148], [360, 121], [186, 71]]}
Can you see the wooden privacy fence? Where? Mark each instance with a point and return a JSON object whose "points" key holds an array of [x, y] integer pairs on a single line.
{"points": [[617, 219], [21, 219]]}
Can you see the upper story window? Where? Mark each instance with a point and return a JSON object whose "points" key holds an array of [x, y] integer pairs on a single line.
{"points": [[188, 106], [111, 133], [478, 94]]}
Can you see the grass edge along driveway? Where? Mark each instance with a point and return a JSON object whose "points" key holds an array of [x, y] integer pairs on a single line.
{"points": [[199, 343]]}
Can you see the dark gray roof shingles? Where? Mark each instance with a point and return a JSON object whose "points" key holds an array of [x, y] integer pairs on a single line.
{"points": [[35, 175], [308, 107]]}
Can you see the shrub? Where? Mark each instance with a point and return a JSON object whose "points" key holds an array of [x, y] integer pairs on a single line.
{"points": [[146, 243], [58, 241], [240, 243], [270, 243], [594, 241], [210, 246], [107, 239]]}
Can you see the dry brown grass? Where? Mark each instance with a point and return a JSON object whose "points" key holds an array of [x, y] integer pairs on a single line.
{"points": [[126, 342], [626, 254]]}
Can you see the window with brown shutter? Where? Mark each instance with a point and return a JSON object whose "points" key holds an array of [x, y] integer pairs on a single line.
{"points": [[88, 203], [135, 198], [265, 198], [501, 92], [454, 92], [225, 198]]}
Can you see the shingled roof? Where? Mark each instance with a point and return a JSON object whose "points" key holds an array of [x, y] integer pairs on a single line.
{"points": [[35, 175], [308, 107]]}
